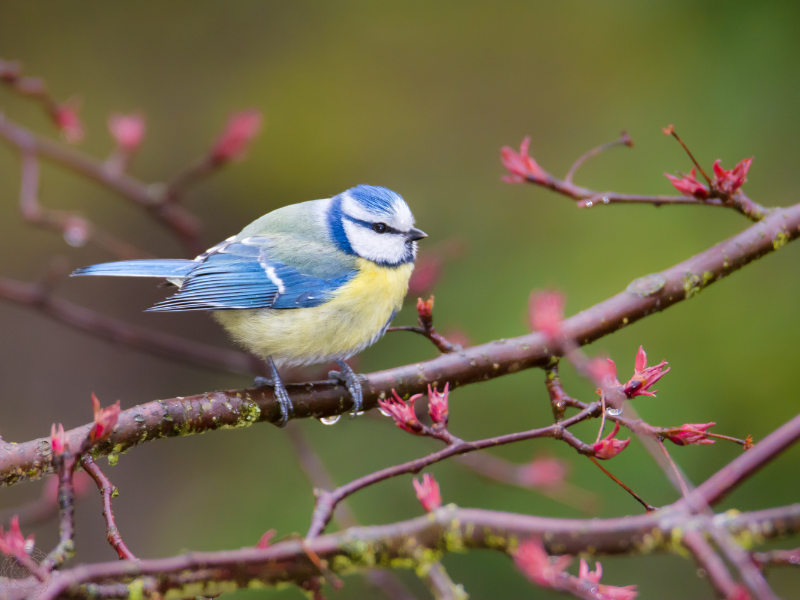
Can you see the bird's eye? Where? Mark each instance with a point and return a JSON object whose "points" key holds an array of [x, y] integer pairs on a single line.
{"points": [[379, 227]]}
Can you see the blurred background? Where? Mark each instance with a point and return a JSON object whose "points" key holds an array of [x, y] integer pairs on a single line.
{"points": [[418, 97]]}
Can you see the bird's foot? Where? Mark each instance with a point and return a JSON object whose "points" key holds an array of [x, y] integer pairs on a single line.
{"points": [[352, 382], [278, 389]]}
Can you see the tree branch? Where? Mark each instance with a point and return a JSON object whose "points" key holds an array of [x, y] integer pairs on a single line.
{"points": [[642, 297], [117, 331], [150, 197], [448, 529], [328, 500], [707, 559]]}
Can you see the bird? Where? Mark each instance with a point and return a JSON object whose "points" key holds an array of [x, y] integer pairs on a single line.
{"points": [[307, 283]]}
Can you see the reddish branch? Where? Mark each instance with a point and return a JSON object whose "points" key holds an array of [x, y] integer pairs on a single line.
{"points": [[39, 297], [426, 328], [645, 296], [76, 230], [525, 169], [707, 559], [448, 529], [150, 197], [777, 558], [328, 500], [107, 490]]}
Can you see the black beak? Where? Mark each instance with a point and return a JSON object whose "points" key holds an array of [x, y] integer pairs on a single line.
{"points": [[415, 234]]}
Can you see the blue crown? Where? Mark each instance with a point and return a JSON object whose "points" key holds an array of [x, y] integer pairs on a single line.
{"points": [[374, 198]]}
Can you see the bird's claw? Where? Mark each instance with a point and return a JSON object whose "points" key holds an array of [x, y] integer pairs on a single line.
{"points": [[281, 395], [353, 383]]}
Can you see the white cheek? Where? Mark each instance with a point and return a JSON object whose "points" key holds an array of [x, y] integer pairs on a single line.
{"points": [[378, 247]]}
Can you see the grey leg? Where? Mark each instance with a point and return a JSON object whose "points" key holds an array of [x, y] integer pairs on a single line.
{"points": [[280, 392], [353, 383]]}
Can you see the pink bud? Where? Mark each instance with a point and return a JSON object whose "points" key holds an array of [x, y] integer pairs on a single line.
{"points": [[438, 404], [402, 413], [425, 308], [592, 576], [66, 119], [58, 440], [609, 447], [603, 372], [264, 541], [13, 542], [692, 433], [644, 376], [537, 565], [689, 186], [104, 420], [427, 272], [546, 312], [728, 182], [239, 132], [521, 167], [428, 492], [127, 130], [544, 471]]}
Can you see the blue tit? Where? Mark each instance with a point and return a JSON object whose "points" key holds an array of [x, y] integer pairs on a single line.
{"points": [[307, 283]]}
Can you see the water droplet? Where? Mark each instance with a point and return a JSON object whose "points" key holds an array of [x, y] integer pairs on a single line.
{"points": [[138, 418], [614, 412], [330, 420], [606, 200], [589, 203], [384, 413]]}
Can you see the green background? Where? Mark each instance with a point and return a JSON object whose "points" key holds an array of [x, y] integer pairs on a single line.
{"points": [[418, 97]]}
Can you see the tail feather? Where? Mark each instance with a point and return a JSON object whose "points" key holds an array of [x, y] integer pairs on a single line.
{"points": [[141, 268]]}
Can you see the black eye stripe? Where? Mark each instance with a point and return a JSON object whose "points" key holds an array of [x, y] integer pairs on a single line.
{"points": [[369, 225]]}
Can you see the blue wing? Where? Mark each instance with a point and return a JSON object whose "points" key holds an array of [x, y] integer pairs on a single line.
{"points": [[240, 275]]}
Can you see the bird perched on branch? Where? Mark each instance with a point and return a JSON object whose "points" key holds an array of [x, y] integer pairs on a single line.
{"points": [[306, 283]]}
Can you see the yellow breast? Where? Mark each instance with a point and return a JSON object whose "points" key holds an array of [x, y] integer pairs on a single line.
{"points": [[351, 320]]}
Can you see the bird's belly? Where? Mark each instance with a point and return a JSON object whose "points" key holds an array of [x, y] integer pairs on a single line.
{"points": [[354, 318]]}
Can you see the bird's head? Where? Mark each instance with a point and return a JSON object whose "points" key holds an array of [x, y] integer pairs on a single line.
{"points": [[376, 224]]}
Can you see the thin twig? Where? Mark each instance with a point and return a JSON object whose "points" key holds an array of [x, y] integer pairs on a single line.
{"points": [[107, 490], [672, 132], [678, 475], [328, 500], [587, 198], [624, 140], [426, 328], [648, 507]]}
